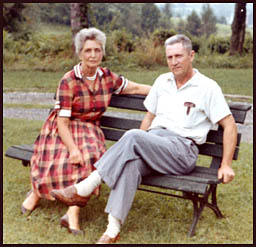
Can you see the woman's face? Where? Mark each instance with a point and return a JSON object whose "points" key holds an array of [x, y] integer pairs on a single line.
{"points": [[91, 55]]}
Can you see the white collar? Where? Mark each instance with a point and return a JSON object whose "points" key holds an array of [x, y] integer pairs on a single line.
{"points": [[78, 72], [192, 81]]}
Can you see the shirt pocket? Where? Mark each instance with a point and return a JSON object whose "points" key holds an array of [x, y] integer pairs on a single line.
{"points": [[191, 113]]}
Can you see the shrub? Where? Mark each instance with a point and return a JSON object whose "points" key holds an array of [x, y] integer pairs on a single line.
{"points": [[120, 41], [223, 61], [248, 43], [146, 55], [160, 35], [220, 45], [196, 43]]}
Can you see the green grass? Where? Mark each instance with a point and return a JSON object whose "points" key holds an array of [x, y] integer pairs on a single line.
{"points": [[232, 81], [29, 81], [152, 219]]}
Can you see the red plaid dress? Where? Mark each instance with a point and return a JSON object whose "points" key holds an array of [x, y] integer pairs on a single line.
{"points": [[84, 102]]}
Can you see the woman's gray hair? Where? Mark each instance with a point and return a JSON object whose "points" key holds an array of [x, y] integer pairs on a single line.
{"points": [[89, 34], [179, 38]]}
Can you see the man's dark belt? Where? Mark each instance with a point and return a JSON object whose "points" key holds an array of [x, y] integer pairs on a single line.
{"points": [[162, 127]]}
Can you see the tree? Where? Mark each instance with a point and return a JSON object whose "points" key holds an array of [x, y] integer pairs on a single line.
{"points": [[58, 13], [194, 25], [222, 20], [78, 17], [209, 21], [167, 11], [150, 15], [181, 26], [238, 29], [165, 20], [13, 16]]}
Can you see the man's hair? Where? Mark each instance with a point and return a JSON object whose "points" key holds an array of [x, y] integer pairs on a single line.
{"points": [[179, 38], [89, 34]]}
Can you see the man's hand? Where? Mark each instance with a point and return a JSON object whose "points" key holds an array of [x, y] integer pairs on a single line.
{"points": [[226, 173]]}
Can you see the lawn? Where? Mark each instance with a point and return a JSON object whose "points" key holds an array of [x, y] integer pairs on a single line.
{"points": [[152, 219], [232, 81]]}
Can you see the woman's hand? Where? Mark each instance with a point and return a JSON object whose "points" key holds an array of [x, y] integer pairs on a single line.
{"points": [[75, 156]]}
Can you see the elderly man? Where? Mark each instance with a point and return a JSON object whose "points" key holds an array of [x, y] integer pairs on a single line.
{"points": [[182, 107]]}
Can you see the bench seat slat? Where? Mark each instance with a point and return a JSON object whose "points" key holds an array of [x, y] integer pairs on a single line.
{"points": [[20, 152], [164, 181]]}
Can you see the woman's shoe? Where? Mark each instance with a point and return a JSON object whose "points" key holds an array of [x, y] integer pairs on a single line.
{"points": [[65, 223], [25, 211]]}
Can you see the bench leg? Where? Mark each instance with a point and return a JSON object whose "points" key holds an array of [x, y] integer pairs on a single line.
{"points": [[197, 212], [214, 205], [25, 163]]}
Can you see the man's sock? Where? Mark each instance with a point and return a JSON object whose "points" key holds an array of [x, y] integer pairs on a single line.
{"points": [[114, 226], [86, 186]]}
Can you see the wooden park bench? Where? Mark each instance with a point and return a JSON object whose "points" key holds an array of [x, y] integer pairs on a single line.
{"points": [[199, 186]]}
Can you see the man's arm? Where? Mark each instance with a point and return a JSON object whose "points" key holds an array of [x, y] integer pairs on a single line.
{"points": [[147, 121], [229, 144]]}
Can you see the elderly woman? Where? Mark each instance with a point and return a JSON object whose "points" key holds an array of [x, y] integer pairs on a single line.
{"points": [[71, 140]]}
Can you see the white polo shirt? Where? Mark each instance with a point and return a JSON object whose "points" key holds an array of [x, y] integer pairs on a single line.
{"points": [[189, 111]]}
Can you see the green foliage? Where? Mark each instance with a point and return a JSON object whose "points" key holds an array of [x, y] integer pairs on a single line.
{"points": [[224, 61], [222, 20], [13, 16], [120, 41], [218, 45], [160, 35], [50, 49], [148, 56], [150, 15], [248, 43], [58, 13], [209, 20], [194, 25]]}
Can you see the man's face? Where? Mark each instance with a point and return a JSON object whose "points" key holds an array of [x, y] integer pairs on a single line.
{"points": [[179, 60]]}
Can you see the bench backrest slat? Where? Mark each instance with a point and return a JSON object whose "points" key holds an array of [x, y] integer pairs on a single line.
{"points": [[119, 123], [238, 115], [135, 102], [215, 136], [132, 102]]}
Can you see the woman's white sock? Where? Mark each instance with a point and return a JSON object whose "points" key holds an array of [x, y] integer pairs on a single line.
{"points": [[114, 226], [86, 186]]}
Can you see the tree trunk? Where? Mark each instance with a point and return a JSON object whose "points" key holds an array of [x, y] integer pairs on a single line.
{"points": [[238, 29], [78, 17]]}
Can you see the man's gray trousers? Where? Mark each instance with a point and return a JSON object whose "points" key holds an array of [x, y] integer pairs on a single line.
{"points": [[137, 154]]}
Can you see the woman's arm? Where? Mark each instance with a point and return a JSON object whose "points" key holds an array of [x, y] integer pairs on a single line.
{"points": [[136, 88], [75, 155]]}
